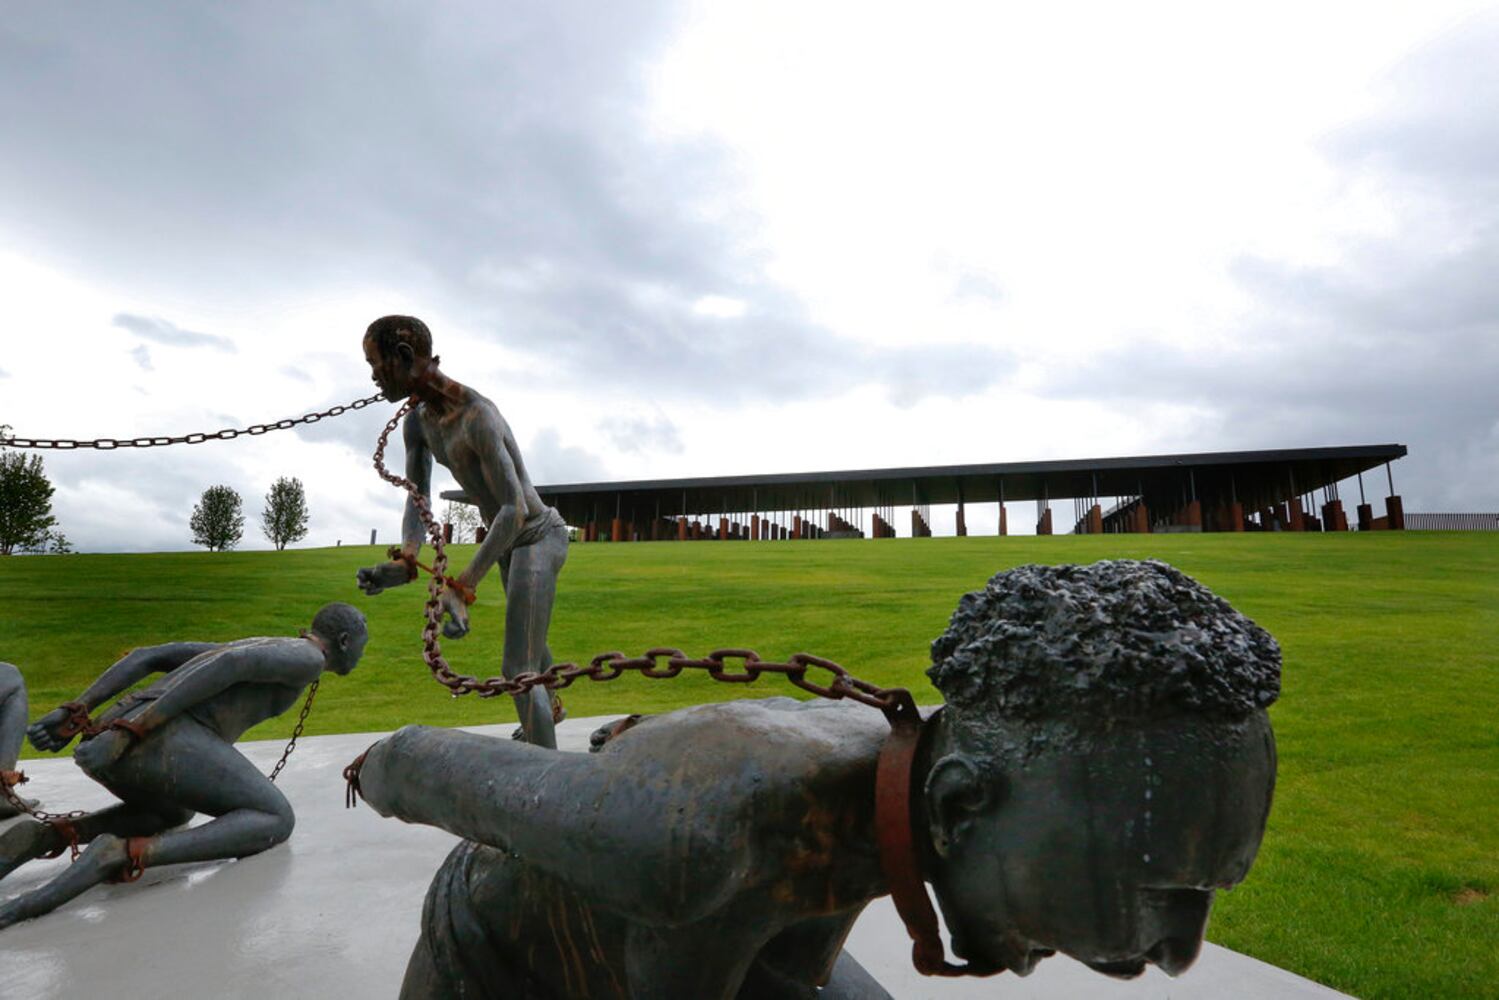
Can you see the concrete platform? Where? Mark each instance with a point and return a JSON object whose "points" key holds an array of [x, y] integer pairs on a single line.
{"points": [[334, 913]]}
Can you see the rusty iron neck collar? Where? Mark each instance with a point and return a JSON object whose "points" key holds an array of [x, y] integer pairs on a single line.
{"points": [[896, 823], [316, 640], [432, 387]]}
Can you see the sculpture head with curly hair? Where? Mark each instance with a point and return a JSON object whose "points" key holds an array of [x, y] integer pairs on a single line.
{"points": [[1104, 763]]}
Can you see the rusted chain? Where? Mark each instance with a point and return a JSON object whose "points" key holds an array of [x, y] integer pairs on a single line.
{"points": [[894, 702], [227, 434], [62, 822], [296, 733], [897, 703]]}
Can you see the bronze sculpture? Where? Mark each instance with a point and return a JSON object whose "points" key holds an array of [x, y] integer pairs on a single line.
{"points": [[455, 425], [1102, 765], [167, 752]]}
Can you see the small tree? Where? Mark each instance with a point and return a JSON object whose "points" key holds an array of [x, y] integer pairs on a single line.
{"points": [[284, 517], [464, 518], [217, 521], [26, 519]]}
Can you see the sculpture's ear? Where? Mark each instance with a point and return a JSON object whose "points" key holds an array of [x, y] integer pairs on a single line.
{"points": [[956, 792], [408, 356]]}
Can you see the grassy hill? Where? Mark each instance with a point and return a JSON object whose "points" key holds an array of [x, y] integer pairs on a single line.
{"points": [[1380, 871]]}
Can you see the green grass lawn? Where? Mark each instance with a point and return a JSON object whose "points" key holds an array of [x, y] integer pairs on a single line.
{"points": [[1380, 871]]}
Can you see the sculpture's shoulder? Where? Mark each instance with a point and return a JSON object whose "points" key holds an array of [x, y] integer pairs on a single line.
{"points": [[773, 741]]}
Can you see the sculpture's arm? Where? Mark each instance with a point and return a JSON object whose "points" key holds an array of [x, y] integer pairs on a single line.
{"points": [[419, 471], [289, 662], [382, 576], [129, 670], [607, 831], [138, 664], [497, 464]]}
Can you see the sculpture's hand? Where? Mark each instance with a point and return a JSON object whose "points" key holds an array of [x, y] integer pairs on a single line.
{"points": [[43, 732], [373, 579], [456, 626], [102, 750]]}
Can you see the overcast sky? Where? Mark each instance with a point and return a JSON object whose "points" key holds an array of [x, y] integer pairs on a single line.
{"points": [[675, 239]]}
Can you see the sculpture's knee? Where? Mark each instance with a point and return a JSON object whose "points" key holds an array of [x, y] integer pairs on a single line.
{"points": [[282, 822], [264, 829]]}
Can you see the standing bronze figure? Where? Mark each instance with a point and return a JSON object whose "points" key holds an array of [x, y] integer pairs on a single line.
{"points": [[463, 430]]}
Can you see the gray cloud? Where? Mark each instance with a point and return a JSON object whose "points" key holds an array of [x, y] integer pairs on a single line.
{"points": [[163, 332], [642, 433], [1397, 342], [548, 460], [142, 357], [491, 157]]}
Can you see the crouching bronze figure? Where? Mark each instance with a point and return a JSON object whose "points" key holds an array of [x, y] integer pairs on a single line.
{"points": [[1101, 766]]}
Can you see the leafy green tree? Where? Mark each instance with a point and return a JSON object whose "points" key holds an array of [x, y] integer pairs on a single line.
{"points": [[464, 518], [284, 517], [217, 521], [26, 519]]}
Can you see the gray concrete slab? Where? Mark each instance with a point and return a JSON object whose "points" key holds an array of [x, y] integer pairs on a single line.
{"points": [[334, 912]]}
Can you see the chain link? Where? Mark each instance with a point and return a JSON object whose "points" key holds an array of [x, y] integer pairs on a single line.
{"points": [[227, 434], [296, 733], [62, 822], [894, 702]]}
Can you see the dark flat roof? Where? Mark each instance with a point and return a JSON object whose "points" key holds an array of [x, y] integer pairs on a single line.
{"points": [[1253, 477]]}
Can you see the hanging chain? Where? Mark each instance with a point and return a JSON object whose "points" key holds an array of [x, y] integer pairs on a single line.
{"points": [[432, 611], [297, 732], [660, 662], [228, 434]]}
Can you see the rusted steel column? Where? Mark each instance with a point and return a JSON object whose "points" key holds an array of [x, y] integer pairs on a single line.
{"points": [[1142, 518], [447, 533], [1095, 520], [754, 527], [796, 526], [617, 530], [962, 523], [1295, 518], [723, 529], [1365, 517], [1235, 512], [1191, 514], [695, 530], [1043, 526], [1394, 510], [1004, 521], [479, 533], [681, 529], [1333, 518]]}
